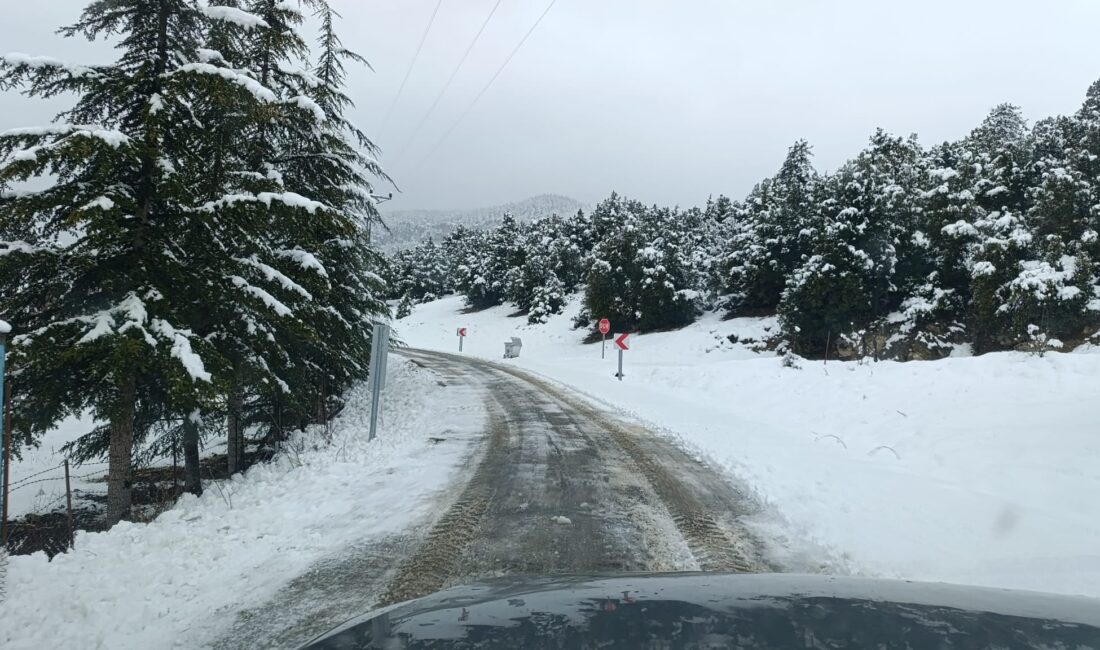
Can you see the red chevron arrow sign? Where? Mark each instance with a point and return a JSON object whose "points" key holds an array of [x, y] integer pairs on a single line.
{"points": [[620, 341]]}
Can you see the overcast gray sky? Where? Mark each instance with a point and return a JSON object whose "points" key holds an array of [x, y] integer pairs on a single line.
{"points": [[668, 101]]}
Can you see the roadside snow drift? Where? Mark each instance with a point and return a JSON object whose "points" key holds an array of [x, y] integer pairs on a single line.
{"points": [[179, 581], [977, 470]]}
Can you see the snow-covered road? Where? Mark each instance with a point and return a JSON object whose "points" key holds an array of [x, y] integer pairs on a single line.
{"points": [[556, 487], [567, 488]]}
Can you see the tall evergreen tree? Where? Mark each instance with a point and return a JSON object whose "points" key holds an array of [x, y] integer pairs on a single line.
{"points": [[96, 278], [201, 247], [769, 242]]}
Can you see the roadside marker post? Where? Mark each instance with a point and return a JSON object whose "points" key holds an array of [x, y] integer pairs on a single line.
{"points": [[620, 342], [5, 434], [605, 327], [379, 353], [461, 337]]}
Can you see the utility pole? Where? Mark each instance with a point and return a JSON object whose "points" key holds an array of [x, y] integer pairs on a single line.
{"points": [[378, 198]]}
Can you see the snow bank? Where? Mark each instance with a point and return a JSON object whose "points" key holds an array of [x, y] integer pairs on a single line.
{"points": [[979, 470], [179, 581]]}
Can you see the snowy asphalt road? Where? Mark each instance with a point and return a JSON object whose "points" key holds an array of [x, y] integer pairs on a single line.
{"points": [[558, 486], [566, 488]]}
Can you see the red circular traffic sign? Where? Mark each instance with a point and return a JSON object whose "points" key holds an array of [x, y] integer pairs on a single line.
{"points": [[605, 326]]}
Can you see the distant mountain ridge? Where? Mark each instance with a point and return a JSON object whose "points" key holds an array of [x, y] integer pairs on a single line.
{"points": [[407, 228]]}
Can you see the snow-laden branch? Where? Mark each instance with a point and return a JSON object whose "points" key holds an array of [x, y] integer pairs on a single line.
{"points": [[304, 259], [16, 59], [273, 274], [289, 199], [133, 313], [17, 246], [257, 89], [181, 349], [307, 104], [268, 299], [233, 15], [110, 136], [308, 78]]}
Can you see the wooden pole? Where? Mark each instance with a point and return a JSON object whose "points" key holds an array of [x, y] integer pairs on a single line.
{"points": [[69, 506], [7, 463]]}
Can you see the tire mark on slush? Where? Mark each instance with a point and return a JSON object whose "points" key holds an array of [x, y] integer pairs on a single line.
{"points": [[715, 548], [432, 565]]}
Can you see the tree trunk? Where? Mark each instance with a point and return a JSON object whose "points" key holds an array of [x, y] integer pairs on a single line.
{"points": [[235, 425], [192, 481], [320, 414], [120, 452]]}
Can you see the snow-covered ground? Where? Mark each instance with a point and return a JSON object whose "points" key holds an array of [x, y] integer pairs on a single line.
{"points": [[179, 581], [974, 470]]}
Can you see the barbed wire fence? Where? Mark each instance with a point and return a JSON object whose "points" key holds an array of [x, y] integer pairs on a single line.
{"points": [[49, 524]]}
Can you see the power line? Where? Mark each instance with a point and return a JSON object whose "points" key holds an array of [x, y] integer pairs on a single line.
{"points": [[483, 90], [446, 86], [408, 73]]}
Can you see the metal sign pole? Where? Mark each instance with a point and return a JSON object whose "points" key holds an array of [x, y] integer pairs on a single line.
{"points": [[460, 337], [620, 373], [5, 435], [380, 340], [603, 347]]}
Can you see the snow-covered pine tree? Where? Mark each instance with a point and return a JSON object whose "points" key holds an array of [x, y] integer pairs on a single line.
{"points": [[418, 272], [637, 278], [95, 284], [404, 308], [866, 225], [304, 284], [547, 297], [771, 239], [489, 272]]}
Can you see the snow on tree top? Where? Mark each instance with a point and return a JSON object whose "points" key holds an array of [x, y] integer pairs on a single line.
{"points": [[4, 328]]}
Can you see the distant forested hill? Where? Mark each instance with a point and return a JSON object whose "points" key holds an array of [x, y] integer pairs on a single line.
{"points": [[409, 227]]}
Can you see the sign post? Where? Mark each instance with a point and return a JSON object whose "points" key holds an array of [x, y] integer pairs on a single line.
{"points": [[620, 342], [379, 351], [461, 336], [5, 434], [605, 327]]}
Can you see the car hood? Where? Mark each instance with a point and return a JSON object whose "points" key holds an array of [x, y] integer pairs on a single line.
{"points": [[724, 610]]}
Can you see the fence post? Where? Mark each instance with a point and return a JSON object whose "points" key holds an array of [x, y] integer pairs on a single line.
{"points": [[69, 506]]}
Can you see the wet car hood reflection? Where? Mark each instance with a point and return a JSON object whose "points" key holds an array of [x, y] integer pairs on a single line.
{"points": [[724, 611]]}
